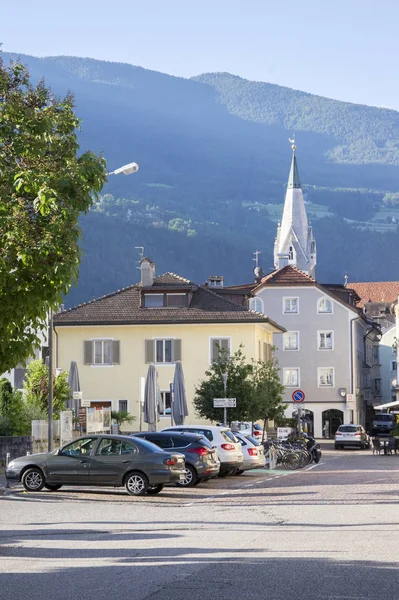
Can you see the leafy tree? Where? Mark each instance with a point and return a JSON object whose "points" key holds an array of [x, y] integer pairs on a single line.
{"points": [[36, 388], [44, 186], [12, 409], [267, 401], [238, 385]]}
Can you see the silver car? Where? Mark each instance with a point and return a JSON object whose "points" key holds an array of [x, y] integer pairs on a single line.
{"points": [[254, 455], [351, 435]]}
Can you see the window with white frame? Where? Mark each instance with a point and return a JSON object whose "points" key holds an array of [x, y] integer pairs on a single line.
{"points": [[256, 304], [220, 348], [325, 340], [163, 351], [324, 305], [325, 376], [291, 340], [101, 352], [290, 305], [165, 406], [291, 377]]}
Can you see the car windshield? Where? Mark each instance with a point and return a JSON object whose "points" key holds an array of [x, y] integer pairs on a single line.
{"points": [[146, 445], [383, 418], [347, 428], [253, 440], [229, 436]]}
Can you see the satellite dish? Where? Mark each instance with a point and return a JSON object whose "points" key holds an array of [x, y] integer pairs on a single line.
{"points": [[258, 272]]}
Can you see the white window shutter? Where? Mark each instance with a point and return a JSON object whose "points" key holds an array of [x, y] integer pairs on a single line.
{"points": [[88, 352], [149, 351]]}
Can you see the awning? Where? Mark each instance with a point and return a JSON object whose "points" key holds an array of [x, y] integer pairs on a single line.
{"points": [[389, 405]]}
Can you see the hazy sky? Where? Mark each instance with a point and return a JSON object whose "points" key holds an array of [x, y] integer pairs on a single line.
{"points": [[344, 49]]}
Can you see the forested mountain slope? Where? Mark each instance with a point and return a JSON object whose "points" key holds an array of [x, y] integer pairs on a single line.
{"points": [[214, 159]]}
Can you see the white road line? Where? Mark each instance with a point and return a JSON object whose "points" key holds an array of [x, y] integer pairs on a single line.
{"points": [[312, 467]]}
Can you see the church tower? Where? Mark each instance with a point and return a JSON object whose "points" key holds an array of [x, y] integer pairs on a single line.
{"points": [[295, 244]]}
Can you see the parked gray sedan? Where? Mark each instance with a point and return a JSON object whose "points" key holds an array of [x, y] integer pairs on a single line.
{"points": [[100, 460]]}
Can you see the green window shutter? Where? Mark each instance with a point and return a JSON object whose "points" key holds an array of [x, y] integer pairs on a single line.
{"points": [[215, 350], [176, 350], [116, 352], [88, 352], [149, 351]]}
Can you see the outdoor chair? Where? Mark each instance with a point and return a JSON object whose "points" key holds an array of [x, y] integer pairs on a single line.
{"points": [[376, 444]]}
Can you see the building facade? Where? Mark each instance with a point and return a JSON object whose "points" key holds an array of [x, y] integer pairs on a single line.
{"points": [[162, 319]]}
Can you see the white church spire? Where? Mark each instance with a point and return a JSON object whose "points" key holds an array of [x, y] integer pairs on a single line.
{"points": [[295, 244]]}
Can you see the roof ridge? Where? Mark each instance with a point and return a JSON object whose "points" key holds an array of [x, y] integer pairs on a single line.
{"points": [[174, 275], [241, 308]]}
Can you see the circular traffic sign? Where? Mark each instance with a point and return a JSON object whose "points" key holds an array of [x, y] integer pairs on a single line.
{"points": [[298, 396]]}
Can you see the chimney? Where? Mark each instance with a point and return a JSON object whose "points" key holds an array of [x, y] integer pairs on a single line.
{"points": [[215, 281], [283, 260], [147, 269]]}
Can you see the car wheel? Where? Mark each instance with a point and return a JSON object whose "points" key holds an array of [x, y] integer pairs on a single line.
{"points": [[155, 489], [136, 484], [52, 487], [190, 477], [33, 480]]}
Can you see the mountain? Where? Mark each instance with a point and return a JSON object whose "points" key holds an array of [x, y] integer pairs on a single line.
{"points": [[214, 160]]}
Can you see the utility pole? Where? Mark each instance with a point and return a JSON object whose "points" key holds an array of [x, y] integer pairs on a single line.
{"points": [[224, 377], [50, 380]]}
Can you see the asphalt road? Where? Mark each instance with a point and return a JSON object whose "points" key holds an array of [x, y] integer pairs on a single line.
{"points": [[328, 533]]}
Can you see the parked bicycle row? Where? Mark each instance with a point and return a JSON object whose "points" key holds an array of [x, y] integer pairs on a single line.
{"points": [[294, 454]]}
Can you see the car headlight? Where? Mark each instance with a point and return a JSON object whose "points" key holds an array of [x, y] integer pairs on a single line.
{"points": [[11, 465]]}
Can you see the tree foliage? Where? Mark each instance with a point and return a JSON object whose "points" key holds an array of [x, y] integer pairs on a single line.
{"points": [[36, 388], [12, 410], [255, 385], [44, 187], [122, 416]]}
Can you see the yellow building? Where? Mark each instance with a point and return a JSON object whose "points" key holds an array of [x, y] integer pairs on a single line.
{"points": [[113, 339]]}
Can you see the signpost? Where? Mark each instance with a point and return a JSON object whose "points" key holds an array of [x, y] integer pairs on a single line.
{"points": [[77, 395], [298, 396], [85, 403], [224, 403]]}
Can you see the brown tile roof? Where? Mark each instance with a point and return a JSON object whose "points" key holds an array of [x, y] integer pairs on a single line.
{"points": [[124, 307], [288, 275], [376, 291]]}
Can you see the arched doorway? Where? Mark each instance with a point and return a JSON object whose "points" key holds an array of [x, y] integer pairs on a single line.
{"points": [[331, 420], [307, 420]]}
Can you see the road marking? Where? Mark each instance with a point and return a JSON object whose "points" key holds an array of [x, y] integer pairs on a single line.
{"points": [[312, 467]]}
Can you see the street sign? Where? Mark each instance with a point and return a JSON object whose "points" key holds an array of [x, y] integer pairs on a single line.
{"points": [[85, 403], [82, 417], [350, 401], [224, 402], [298, 396], [77, 395]]}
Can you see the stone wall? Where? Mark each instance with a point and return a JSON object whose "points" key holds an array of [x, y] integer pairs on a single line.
{"points": [[16, 446]]}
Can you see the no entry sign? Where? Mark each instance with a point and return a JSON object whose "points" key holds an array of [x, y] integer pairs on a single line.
{"points": [[298, 396]]}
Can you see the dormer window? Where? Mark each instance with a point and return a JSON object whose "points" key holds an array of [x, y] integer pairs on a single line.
{"points": [[291, 253], [169, 300]]}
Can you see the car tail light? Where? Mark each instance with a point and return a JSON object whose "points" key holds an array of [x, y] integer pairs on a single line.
{"points": [[170, 461], [201, 451], [358, 433], [228, 446], [257, 433], [252, 452], [338, 433]]}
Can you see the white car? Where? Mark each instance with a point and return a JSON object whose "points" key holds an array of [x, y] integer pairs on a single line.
{"points": [[254, 454], [247, 428], [229, 448]]}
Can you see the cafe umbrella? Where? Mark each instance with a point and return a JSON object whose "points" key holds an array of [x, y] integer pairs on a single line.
{"points": [[74, 385], [150, 408], [179, 405]]}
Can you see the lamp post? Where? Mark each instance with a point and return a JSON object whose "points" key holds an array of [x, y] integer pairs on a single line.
{"points": [[125, 170]]}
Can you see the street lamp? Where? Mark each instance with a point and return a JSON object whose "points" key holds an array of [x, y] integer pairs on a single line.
{"points": [[126, 170]]}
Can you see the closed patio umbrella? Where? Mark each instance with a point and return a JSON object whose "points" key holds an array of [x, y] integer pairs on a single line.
{"points": [[150, 408], [73, 382], [179, 407]]}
